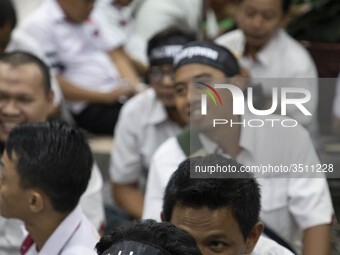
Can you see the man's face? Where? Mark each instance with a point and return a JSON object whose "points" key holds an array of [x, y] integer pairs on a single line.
{"points": [[77, 11], [215, 231], [161, 79], [5, 36], [188, 97], [13, 199], [22, 97], [259, 20]]}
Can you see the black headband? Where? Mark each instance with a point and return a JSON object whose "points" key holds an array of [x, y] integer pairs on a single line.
{"points": [[208, 53]]}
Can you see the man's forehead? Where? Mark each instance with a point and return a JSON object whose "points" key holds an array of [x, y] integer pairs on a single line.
{"points": [[25, 73]]}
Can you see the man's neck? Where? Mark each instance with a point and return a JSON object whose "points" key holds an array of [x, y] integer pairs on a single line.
{"points": [[174, 115], [228, 138], [42, 227]]}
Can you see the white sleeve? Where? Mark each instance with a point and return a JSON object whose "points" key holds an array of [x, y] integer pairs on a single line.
{"points": [[309, 199], [125, 161], [153, 199]]}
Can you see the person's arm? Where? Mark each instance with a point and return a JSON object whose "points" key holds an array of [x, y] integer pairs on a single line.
{"points": [[316, 240], [129, 198], [74, 93], [336, 126], [124, 65]]}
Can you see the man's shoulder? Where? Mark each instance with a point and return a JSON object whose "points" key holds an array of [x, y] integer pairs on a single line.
{"points": [[233, 40], [295, 53], [266, 246], [139, 105], [169, 149]]}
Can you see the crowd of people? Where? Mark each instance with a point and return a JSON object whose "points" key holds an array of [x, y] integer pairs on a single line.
{"points": [[165, 79]]}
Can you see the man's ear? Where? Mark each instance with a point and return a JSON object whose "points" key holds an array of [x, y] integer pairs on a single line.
{"points": [[163, 217], [253, 237], [36, 202]]}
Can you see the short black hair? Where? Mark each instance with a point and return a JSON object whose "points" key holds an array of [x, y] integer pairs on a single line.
{"points": [[162, 235], [241, 195], [285, 4], [17, 58], [54, 158], [7, 13]]}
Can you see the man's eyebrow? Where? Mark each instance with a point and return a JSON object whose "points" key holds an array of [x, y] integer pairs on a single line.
{"points": [[179, 83], [202, 75]]}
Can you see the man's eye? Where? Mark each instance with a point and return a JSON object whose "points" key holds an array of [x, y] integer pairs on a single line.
{"points": [[217, 246], [180, 90]]}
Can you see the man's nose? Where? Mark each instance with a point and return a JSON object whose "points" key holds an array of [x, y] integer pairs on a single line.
{"points": [[9, 108]]}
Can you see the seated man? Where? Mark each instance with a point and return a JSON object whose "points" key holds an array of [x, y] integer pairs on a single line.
{"points": [[26, 97], [296, 209], [89, 65], [46, 167], [222, 214], [267, 51], [147, 238], [145, 122]]}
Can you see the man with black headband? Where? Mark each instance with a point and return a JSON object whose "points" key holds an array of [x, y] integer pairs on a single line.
{"points": [[147, 238], [294, 208], [145, 122], [267, 51]]}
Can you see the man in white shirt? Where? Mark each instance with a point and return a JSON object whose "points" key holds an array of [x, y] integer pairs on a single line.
{"points": [[145, 122], [267, 51], [45, 169], [31, 101], [221, 214], [295, 208], [89, 64]]}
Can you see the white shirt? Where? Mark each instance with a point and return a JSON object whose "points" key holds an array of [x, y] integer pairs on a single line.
{"points": [[78, 51], [119, 23], [20, 40], [265, 246], [143, 125], [75, 235], [289, 205], [281, 57], [336, 102], [155, 16]]}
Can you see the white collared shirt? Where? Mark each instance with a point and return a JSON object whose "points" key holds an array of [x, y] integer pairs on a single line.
{"points": [[143, 125], [281, 57], [75, 235], [289, 205], [79, 52]]}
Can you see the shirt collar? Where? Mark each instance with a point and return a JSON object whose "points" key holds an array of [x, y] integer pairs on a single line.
{"points": [[55, 11], [266, 54], [157, 113], [63, 233]]}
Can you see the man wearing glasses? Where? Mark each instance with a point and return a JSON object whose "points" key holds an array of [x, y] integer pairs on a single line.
{"points": [[145, 122]]}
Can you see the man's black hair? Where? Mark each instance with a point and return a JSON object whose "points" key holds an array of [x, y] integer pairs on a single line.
{"points": [[164, 235], [285, 4], [240, 195], [18, 58], [7, 13], [54, 158]]}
